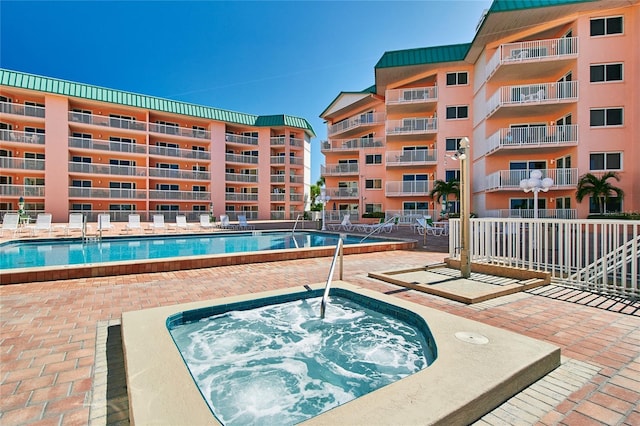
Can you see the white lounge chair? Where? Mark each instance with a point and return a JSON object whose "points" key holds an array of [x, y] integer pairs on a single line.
{"points": [[426, 227], [76, 223], [104, 222], [181, 222], [158, 223], [345, 225], [43, 223], [205, 222], [243, 224], [10, 223], [133, 223], [224, 222]]}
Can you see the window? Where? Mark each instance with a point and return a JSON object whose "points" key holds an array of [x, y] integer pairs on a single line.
{"points": [[82, 135], [76, 183], [606, 72], [199, 188], [81, 207], [122, 185], [199, 208], [122, 207], [415, 205], [167, 207], [450, 175], [36, 155], [198, 168], [605, 161], [457, 78], [77, 159], [613, 204], [167, 187], [373, 208], [563, 203], [527, 203], [606, 117], [34, 181], [452, 144], [606, 26], [167, 166], [373, 183], [373, 159], [456, 112]]}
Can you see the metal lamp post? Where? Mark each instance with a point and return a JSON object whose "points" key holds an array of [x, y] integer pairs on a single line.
{"points": [[536, 184], [324, 199], [465, 218]]}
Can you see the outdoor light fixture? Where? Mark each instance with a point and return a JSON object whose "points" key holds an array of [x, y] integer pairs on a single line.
{"points": [[536, 184], [465, 208], [324, 199]]}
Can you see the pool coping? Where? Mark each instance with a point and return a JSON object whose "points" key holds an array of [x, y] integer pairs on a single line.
{"points": [[466, 381], [91, 270]]}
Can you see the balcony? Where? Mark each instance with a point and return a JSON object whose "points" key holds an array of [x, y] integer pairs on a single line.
{"points": [[295, 198], [356, 124], [106, 169], [180, 195], [341, 169], [178, 174], [277, 197], [296, 179], [241, 139], [343, 193], [351, 145], [418, 157], [278, 178], [538, 137], [184, 132], [415, 128], [282, 141], [241, 158], [241, 177], [105, 145], [532, 99], [408, 188], [22, 190], [101, 120], [542, 213], [278, 214], [510, 179], [109, 193], [529, 59], [21, 163], [278, 159], [411, 100], [22, 137], [238, 196], [21, 109], [191, 154]]}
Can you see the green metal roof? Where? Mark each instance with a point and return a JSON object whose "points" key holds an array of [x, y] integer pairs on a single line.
{"points": [[509, 5], [423, 55], [95, 93]]}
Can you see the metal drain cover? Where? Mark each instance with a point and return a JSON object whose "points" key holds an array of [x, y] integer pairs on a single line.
{"points": [[471, 337]]}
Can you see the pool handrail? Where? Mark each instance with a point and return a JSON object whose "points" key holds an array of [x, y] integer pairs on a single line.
{"points": [[378, 227], [325, 296], [293, 231]]}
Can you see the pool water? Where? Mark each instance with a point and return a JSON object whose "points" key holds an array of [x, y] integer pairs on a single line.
{"points": [[29, 254], [281, 364]]}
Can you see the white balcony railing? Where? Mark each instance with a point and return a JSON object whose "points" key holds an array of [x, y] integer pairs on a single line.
{"points": [[22, 190], [542, 213], [186, 132], [241, 158], [21, 163], [238, 196], [278, 178], [179, 174], [241, 177], [278, 159], [241, 139], [411, 157], [192, 154], [411, 95], [107, 169], [533, 137], [342, 193], [78, 192], [21, 109], [105, 145], [339, 169], [24, 137], [360, 120], [295, 198], [510, 179], [277, 197], [351, 144], [532, 51], [180, 195], [102, 120], [533, 94], [412, 126], [408, 188]]}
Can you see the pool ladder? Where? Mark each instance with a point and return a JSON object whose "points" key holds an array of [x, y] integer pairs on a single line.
{"points": [[325, 296], [293, 231]]}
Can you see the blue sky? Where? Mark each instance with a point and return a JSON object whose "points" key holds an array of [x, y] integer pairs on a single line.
{"points": [[258, 57]]}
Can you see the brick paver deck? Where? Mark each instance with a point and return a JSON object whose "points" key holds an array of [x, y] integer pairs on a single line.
{"points": [[53, 342]]}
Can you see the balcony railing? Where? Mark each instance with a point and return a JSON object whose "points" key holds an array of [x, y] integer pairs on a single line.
{"points": [[343, 193], [21, 163], [412, 126], [295, 197], [107, 169], [534, 94], [351, 144], [361, 120], [532, 51], [102, 120], [510, 179], [542, 213], [21, 109], [411, 95], [24, 137], [277, 197], [278, 214], [241, 139], [22, 190], [339, 169], [179, 131], [179, 174], [278, 178], [281, 141], [238, 196], [278, 159], [167, 151], [241, 158], [180, 195], [296, 179], [407, 188], [240, 177], [104, 145], [411, 158], [533, 137], [77, 192]]}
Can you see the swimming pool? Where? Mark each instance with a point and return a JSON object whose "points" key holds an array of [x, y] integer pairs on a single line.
{"points": [[280, 363], [53, 259]]}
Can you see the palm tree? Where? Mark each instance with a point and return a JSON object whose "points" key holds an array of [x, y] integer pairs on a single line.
{"points": [[315, 190], [589, 185], [442, 189]]}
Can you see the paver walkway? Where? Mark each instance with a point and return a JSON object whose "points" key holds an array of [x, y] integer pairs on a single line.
{"points": [[49, 332]]}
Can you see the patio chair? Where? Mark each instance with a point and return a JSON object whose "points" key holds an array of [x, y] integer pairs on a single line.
{"points": [[345, 225], [243, 224], [10, 223], [224, 222], [181, 223], [205, 222], [158, 223], [425, 226], [104, 222], [76, 223], [133, 224], [43, 223]]}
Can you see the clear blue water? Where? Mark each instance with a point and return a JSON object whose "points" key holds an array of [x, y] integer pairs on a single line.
{"points": [[281, 364], [30, 254]]}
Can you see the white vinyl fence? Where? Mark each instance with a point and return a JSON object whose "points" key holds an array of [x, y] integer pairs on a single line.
{"points": [[602, 256]]}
